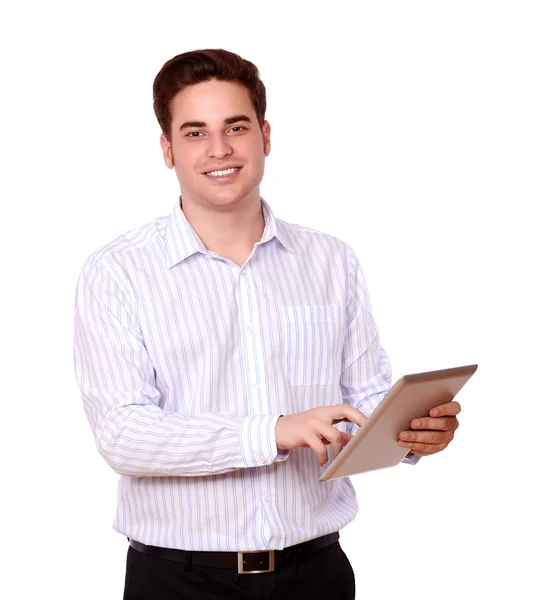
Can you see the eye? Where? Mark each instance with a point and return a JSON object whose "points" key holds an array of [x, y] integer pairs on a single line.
{"points": [[237, 128], [194, 134]]}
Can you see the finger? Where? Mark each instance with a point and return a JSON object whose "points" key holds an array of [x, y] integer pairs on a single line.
{"points": [[315, 443], [333, 435], [441, 423], [443, 410], [346, 437], [427, 437], [420, 448], [345, 412]]}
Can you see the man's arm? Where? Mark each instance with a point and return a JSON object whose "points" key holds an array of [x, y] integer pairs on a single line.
{"points": [[117, 381], [366, 372]]}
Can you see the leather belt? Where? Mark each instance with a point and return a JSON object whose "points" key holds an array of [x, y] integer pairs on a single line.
{"points": [[263, 561]]}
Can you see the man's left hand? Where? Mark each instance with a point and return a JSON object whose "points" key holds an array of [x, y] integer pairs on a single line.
{"points": [[429, 435]]}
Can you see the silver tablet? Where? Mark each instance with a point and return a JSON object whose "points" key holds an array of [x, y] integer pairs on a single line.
{"points": [[375, 444]]}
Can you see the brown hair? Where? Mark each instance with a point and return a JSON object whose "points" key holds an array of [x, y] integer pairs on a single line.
{"points": [[204, 65]]}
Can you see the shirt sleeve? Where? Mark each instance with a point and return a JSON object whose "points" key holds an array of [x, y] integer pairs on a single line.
{"points": [[117, 380], [366, 372]]}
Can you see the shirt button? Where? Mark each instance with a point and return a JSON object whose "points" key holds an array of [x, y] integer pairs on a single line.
{"points": [[260, 458], [267, 499], [249, 328], [257, 387]]}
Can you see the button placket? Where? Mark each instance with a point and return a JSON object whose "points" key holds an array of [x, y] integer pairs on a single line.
{"points": [[255, 370], [254, 351]]}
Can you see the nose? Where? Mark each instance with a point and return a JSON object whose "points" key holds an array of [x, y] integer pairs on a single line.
{"points": [[218, 147]]}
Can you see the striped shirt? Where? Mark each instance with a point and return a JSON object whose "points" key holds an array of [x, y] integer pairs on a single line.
{"points": [[185, 361]]}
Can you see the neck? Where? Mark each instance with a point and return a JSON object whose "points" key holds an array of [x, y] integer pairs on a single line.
{"points": [[229, 232]]}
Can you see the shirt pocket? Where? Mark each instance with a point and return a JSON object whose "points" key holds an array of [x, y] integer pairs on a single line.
{"points": [[312, 344]]}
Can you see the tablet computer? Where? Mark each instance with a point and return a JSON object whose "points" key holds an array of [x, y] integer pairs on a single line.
{"points": [[375, 444]]}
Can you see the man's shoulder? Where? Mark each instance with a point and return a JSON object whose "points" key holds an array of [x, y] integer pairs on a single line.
{"points": [[140, 238], [304, 237]]}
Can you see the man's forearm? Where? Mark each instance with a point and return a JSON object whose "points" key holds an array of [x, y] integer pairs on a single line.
{"points": [[145, 441]]}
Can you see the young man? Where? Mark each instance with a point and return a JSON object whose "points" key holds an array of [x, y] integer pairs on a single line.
{"points": [[219, 350]]}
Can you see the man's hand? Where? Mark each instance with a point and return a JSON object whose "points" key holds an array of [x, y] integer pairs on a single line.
{"points": [[314, 428], [429, 435]]}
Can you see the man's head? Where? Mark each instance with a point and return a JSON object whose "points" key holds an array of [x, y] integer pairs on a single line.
{"points": [[211, 106]]}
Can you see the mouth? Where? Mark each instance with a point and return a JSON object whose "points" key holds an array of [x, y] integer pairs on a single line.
{"points": [[224, 174]]}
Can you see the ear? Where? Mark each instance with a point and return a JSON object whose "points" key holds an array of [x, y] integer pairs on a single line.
{"points": [[266, 134], [168, 154]]}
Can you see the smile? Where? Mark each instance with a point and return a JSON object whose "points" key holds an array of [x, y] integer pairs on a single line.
{"points": [[222, 173]]}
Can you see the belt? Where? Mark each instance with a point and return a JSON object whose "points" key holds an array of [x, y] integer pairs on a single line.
{"points": [[263, 561]]}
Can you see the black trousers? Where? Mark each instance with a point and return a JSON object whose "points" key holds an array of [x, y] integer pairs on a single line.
{"points": [[325, 575]]}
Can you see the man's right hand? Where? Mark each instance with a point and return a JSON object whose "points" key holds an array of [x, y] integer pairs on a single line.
{"points": [[314, 429]]}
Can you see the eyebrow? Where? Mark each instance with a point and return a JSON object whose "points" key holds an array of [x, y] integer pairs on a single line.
{"points": [[228, 121]]}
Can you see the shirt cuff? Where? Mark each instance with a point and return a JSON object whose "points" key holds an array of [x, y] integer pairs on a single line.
{"points": [[258, 443], [411, 458], [282, 455]]}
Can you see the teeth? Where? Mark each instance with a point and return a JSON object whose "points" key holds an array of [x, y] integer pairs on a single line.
{"points": [[221, 173]]}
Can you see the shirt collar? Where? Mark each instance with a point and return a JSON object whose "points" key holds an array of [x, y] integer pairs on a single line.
{"points": [[183, 241]]}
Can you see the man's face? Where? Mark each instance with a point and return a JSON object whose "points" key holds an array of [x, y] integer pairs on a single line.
{"points": [[215, 128]]}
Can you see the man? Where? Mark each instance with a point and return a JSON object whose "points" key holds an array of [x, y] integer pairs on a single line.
{"points": [[219, 350]]}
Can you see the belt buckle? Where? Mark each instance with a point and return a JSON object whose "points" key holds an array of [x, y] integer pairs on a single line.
{"points": [[271, 562]]}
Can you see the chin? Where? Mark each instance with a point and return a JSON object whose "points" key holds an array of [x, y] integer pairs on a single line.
{"points": [[224, 200], [225, 197]]}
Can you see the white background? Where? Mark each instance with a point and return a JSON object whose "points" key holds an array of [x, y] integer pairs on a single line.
{"points": [[421, 133]]}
